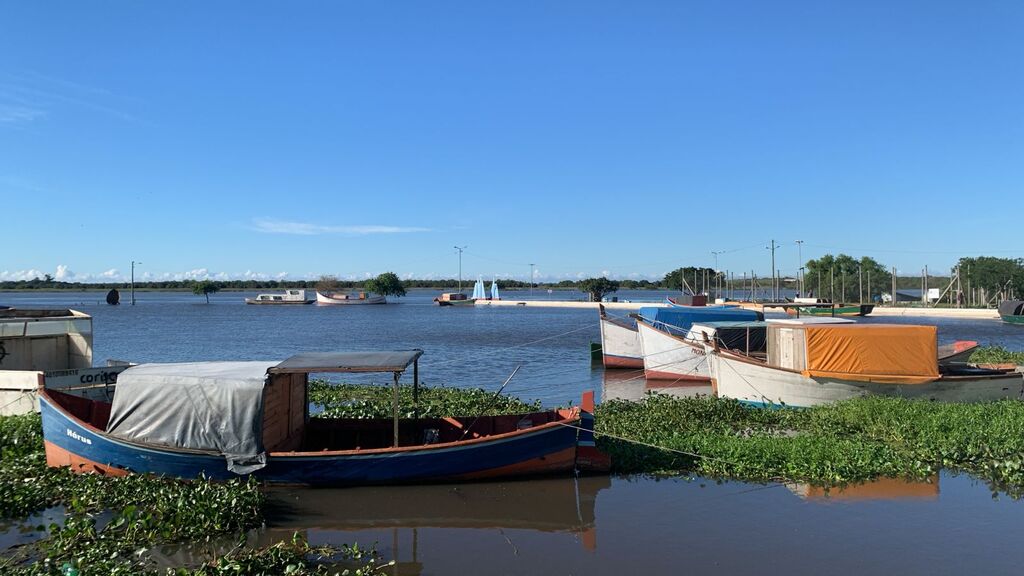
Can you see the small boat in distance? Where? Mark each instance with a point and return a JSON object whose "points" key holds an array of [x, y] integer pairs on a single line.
{"points": [[289, 297], [158, 423], [454, 299], [343, 299], [823, 307]]}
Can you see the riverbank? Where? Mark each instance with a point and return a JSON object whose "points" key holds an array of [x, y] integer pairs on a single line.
{"points": [[966, 313]]}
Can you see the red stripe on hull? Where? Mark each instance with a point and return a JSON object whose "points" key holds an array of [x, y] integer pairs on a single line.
{"points": [[561, 461], [689, 379], [57, 457], [621, 362]]}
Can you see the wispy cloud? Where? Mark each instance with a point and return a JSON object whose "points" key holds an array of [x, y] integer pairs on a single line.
{"points": [[273, 226], [30, 96], [18, 114]]}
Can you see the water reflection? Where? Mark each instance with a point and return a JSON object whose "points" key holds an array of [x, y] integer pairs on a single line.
{"points": [[880, 489]]}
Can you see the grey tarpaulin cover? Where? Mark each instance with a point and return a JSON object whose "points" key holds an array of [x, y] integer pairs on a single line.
{"points": [[195, 405]]}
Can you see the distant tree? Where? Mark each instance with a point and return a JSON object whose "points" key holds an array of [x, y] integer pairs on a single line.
{"points": [[205, 288], [847, 273], [47, 278], [688, 278], [996, 276], [597, 288], [328, 284], [386, 284]]}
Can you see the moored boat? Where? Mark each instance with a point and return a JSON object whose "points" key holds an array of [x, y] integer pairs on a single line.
{"points": [[159, 420], [620, 343], [343, 299], [454, 299], [820, 307], [808, 365], [289, 297], [49, 348], [1012, 311], [667, 349]]}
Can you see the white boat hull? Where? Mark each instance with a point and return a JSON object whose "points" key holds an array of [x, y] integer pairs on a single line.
{"points": [[620, 344], [328, 300], [759, 384], [668, 357]]}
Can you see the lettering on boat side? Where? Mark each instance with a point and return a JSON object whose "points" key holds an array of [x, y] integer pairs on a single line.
{"points": [[78, 437]]}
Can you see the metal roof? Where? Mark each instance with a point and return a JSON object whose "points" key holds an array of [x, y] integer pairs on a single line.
{"points": [[387, 361]]}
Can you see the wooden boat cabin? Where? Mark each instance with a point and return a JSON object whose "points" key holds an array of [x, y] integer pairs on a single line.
{"points": [[223, 419], [47, 346]]}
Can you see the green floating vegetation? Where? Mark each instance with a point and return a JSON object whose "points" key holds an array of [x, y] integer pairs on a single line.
{"points": [[358, 401], [110, 523], [836, 444], [996, 355]]}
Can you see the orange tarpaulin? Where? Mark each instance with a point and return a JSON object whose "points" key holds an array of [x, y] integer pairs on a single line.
{"points": [[889, 353]]}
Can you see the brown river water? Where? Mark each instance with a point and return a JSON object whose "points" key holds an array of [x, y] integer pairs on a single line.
{"points": [[563, 526]]}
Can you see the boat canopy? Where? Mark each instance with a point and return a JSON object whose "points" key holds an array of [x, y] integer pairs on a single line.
{"points": [[390, 361], [886, 353], [1011, 308], [222, 406], [746, 336], [215, 406], [678, 320]]}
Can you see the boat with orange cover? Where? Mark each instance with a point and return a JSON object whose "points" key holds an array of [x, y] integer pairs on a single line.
{"points": [[808, 365]]}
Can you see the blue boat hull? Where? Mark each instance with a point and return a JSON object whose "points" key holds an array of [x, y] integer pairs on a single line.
{"points": [[545, 449]]}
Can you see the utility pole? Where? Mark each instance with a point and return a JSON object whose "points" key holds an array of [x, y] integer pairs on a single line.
{"points": [[860, 289], [893, 285], [531, 280], [718, 289], [460, 249], [800, 271], [775, 294], [832, 283], [133, 280]]}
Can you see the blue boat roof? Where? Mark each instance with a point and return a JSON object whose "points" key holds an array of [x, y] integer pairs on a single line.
{"points": [[739, 324], [680, 319]]}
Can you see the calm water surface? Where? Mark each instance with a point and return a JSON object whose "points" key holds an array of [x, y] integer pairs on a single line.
{"points": [[953, 525]]}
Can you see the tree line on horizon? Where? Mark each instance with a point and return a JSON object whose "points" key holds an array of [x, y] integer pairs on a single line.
{"points": [[841, 277]]}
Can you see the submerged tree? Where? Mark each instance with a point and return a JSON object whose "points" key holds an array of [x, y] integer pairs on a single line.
{"points": [[597, 288], [386, 284], [328, 284], [205, 288]]}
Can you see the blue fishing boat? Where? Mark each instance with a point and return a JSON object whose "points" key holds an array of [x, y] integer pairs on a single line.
{"points": [[229, 419]]}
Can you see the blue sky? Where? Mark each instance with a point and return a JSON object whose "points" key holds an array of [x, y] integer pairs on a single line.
{"points": [[621, 138]]}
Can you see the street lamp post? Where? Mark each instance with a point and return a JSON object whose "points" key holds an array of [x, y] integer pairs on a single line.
{"points": [[531, 280], [718, 281], [133, 280], [460, 249], [800, 255]]}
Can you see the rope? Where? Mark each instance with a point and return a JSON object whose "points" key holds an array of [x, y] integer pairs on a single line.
{"points": [[664, 448]]}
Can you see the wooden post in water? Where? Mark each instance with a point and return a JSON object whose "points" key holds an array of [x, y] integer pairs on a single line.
{"points": [[394, 409]]}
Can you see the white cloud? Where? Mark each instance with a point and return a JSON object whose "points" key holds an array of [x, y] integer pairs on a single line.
{"points": [[21, 274], [63, 274], [273, 226], [112, 273]]}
